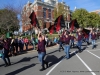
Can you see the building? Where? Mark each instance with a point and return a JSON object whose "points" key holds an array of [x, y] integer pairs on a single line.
{"points": [[97, 11], [44, 13]]}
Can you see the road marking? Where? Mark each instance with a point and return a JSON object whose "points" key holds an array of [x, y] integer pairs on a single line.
{"points": [[57, 64], [93, 54], [93, 50], [86, 65]]}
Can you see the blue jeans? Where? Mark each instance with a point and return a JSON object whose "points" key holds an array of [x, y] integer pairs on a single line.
{"points": [[93, 43], [72, 42], [66, 50], [79, 44], [41, 56], [60, 45], [4, 56]]}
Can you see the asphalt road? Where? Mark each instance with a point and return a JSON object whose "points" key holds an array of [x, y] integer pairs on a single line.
{"points": [[85, 63]]}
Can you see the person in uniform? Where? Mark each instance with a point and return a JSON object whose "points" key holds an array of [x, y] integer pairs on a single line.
{"points": [[67, 45], [93, 38], [42, 51], [79, 43]]}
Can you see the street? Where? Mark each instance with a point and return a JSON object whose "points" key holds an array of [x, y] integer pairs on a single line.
{"points": [[85, 63]]}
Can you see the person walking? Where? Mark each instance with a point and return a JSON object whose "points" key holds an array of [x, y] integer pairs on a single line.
{"points": [[66, 44], [93, 37], [79, 43], [6, 52], [42, 50]]}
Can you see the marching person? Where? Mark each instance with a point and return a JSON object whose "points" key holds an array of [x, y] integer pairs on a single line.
{"points": [[79, 43], [42, 51], [6, 52], [72, 37], [66, 44], [93, 38]]}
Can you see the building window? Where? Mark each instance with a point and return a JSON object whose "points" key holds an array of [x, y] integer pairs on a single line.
{"points": [[49, 13], [44, 12]]}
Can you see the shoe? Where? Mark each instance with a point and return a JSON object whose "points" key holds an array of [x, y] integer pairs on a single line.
{"points": [[80, 51], [42, 69], [9, 64], [6, 65]]}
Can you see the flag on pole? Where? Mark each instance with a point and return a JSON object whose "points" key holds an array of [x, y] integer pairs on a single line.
{"points": [[59, 23], [85, 32], [34, 20], [73, 24], [51, 29]]}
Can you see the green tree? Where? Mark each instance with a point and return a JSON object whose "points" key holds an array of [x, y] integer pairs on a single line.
{"points": [[93, 19], [85, 18], [8, 21], [81, 16]]}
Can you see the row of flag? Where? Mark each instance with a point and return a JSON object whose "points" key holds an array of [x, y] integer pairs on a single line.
{"points": [[58, 24]]}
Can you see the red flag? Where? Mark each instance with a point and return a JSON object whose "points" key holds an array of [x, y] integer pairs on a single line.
{"points": [[73, 25], [58, 26], [34, 20], [58, 22], [86, 32], [51, 29]]}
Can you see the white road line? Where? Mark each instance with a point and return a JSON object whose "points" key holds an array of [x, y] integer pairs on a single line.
{"points": [[57, 65], [86, 65], [54, 67], [93, 50], [93, 54]]}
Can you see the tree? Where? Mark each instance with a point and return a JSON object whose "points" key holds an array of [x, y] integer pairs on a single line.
{"points": [[93, 19], [85, 18], [8, 21], [81, 16]]}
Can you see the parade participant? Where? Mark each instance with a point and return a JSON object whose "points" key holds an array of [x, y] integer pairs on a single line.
{"points": [[87, 39], [67, 45], [72, 37], [6, 52], [79, 43], [41, 50], [93, 38]]}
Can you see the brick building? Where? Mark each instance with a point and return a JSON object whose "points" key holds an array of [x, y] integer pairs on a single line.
{"points": [[44, 13]]}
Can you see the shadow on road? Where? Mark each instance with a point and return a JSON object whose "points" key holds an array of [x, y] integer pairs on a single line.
{"points": [[20, 70], [52, 59]]}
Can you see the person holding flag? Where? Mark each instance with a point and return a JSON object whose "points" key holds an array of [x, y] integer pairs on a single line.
{"points": [[66, 44], [42, 50], [79, 39]]}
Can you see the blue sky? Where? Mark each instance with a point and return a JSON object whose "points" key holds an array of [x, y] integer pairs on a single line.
{"points": [[89, 5]]}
